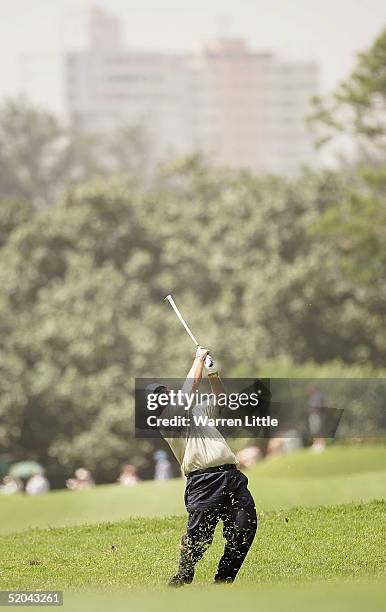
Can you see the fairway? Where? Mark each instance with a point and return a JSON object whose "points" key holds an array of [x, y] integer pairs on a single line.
{"points": [[319, 544], [318, 597], [299, 545], [339, 475]]}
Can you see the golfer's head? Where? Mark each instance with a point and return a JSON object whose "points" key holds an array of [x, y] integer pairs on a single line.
{"points": [[157, 397]]}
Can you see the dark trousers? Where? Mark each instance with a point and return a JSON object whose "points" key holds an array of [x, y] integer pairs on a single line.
{"points": [[209, 497]]}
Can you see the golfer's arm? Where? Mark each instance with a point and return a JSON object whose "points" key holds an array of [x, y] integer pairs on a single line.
{"points": [[194, 376], [216, 384], [217, 389]]}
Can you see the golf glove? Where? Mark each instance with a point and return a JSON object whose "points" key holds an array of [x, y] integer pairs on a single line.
{"points": [[210, 365]]}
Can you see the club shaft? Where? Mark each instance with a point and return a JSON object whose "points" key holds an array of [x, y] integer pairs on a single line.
{"points": [[179, 315]]}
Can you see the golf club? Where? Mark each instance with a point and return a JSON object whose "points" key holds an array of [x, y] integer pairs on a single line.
{"points": [[208, 359]]}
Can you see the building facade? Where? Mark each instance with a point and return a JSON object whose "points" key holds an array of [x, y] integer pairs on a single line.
{"points": [[241, 108]]}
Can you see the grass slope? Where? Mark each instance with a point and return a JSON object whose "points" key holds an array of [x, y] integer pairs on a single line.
{"points": [[335, 461], [336, 543], [297, 480]]}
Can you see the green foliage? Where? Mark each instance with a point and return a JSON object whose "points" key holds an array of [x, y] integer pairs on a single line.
{"points": [[33, 152], [352, 388], [69, 302], [40, 158], [354, 234], [12, 214], [249, 258], [358, 106]]}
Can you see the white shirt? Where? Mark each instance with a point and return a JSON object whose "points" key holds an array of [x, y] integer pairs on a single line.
{"points": [[203, 446]]}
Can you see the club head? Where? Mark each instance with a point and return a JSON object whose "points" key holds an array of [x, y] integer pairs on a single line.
{"points": [[166, 299]]}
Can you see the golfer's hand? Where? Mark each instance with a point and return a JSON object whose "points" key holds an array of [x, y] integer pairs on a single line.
{"points": [[201, 353]]}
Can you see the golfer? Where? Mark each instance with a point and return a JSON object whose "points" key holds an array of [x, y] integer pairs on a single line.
{"points": [[215, 488]]}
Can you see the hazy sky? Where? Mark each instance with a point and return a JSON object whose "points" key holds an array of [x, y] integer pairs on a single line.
{"points": [[329, 31]]}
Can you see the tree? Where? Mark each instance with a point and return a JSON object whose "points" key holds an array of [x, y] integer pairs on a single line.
{"points": [[70, 345], [40, 158], [352, 226], [354, 235], [13, 213], [257, 263], [358, 107], [33, 153]]}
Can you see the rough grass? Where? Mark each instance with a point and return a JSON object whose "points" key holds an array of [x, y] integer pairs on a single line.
{"points": [[339, 475], [338, 543]]}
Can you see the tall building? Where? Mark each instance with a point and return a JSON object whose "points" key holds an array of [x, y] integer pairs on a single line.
{"points": [[108, 87], [242, 108]]}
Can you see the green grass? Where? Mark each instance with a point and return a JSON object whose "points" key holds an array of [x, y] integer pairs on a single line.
{"points": [[310, 552], [318, 597], [335, 461], [339, 475], [338, 543]]}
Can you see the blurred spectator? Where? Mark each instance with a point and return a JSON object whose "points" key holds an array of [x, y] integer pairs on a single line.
{"points": [[37, 485], [249, 456], [10, 485], [83, 480], [163, 467], [128, 476], [289, 442], [315, 404]]}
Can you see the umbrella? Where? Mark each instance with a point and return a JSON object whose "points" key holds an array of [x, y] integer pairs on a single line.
{"points": [[25, 469]]}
